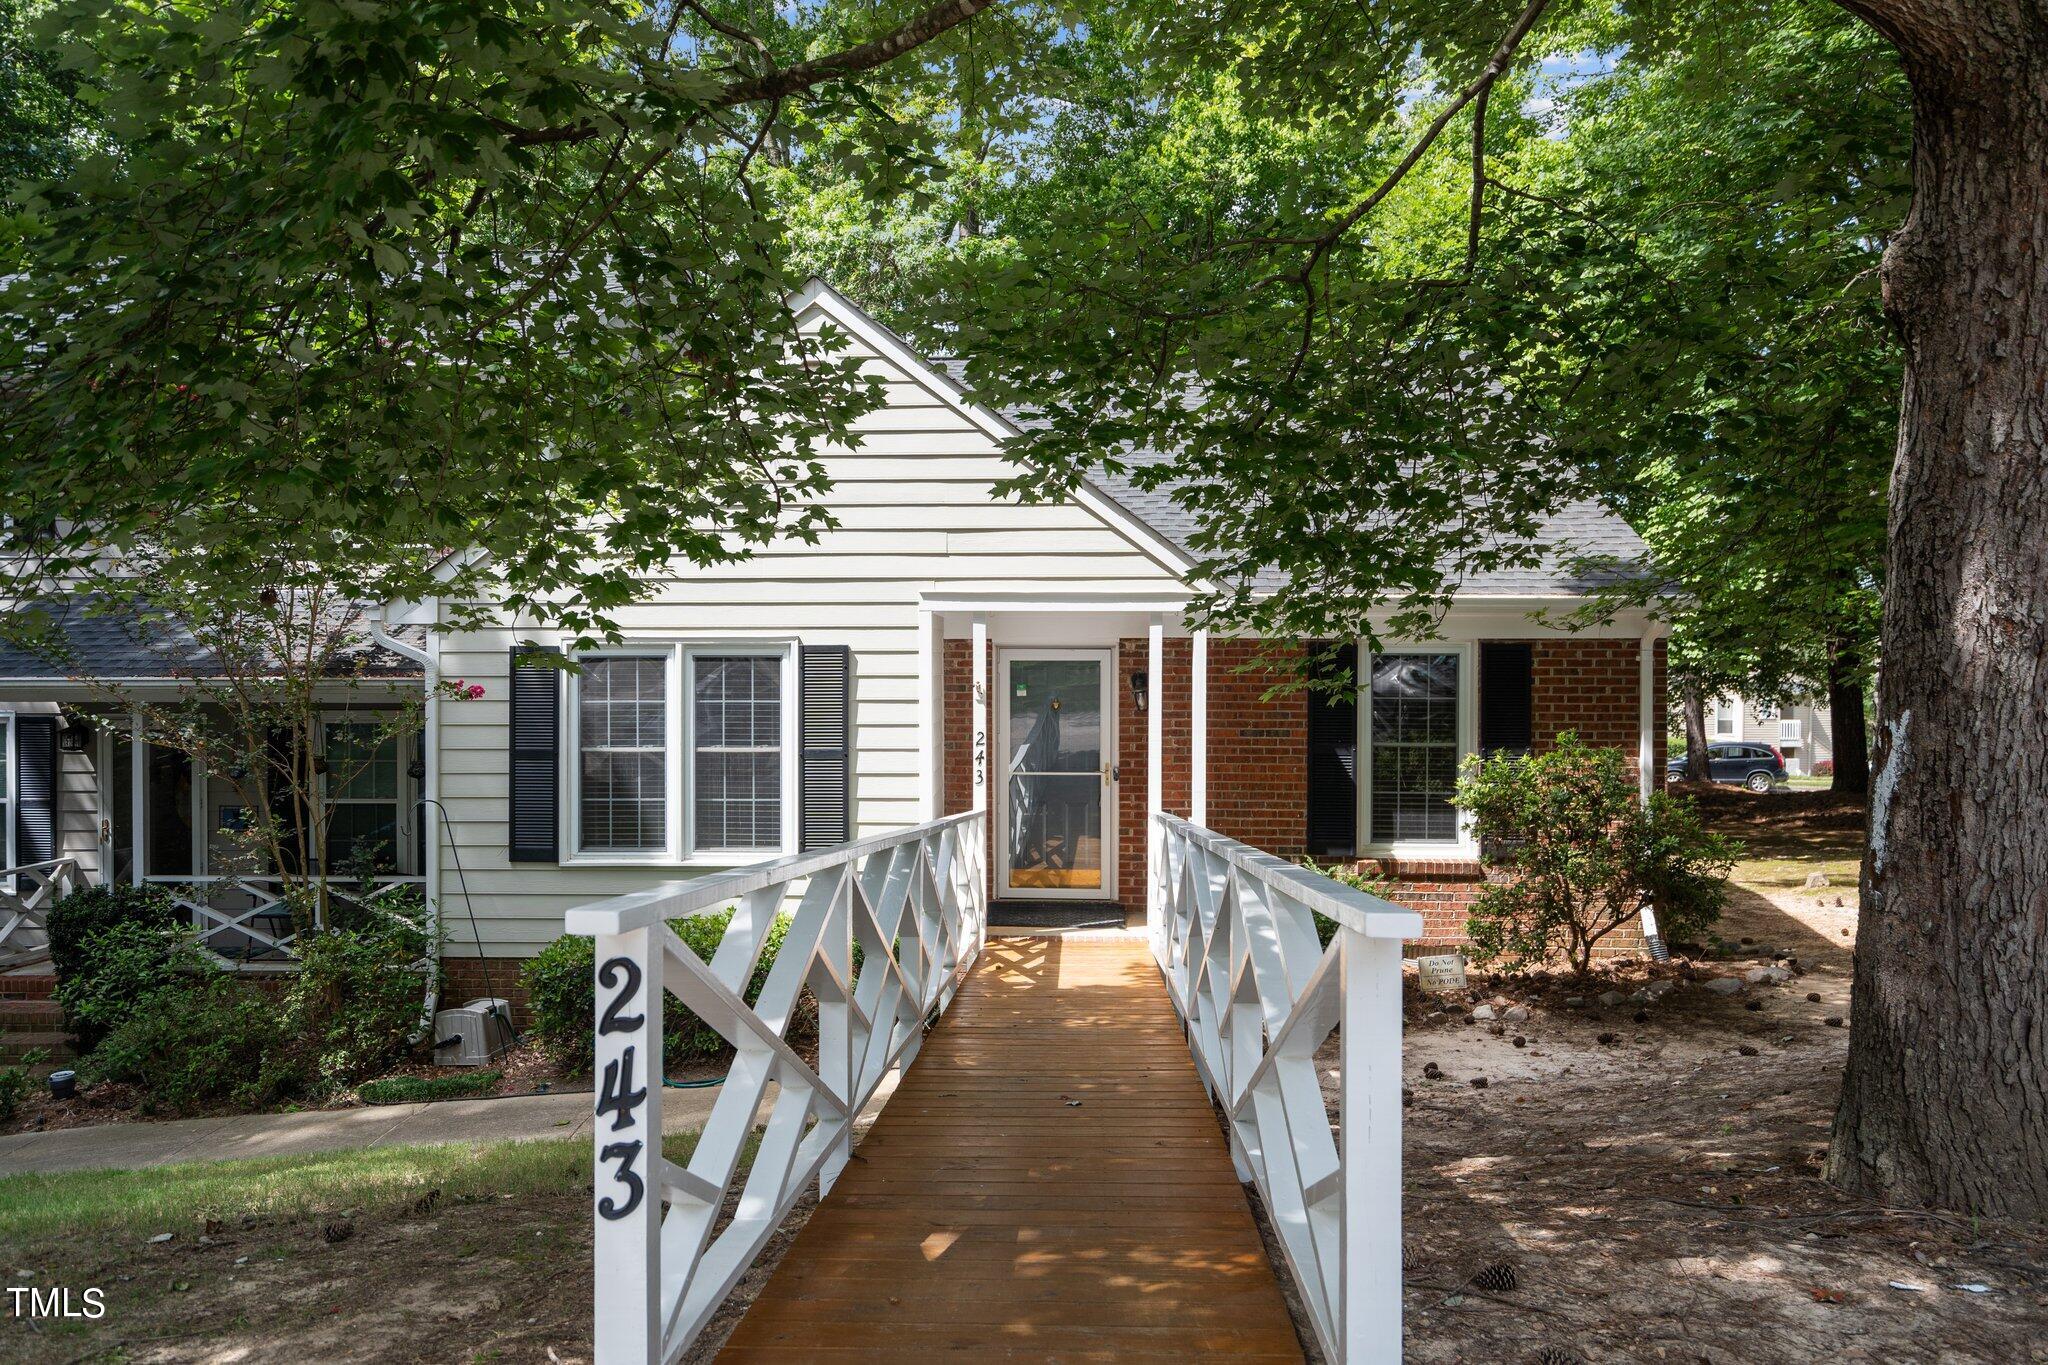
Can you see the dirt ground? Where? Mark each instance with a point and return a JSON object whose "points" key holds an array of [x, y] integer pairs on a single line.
{"points": [[1656, 1196]]}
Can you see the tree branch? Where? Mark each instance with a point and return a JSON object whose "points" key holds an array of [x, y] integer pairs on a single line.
{"points": [[792, 80]]}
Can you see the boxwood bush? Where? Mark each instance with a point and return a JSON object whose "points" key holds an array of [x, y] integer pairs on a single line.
{"points": [[562, 995]]}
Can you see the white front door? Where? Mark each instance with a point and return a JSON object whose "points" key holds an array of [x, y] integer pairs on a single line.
{"points": [[1056, 751]]}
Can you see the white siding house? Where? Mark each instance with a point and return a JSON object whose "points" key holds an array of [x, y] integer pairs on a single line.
{"points": [[922, 538]]}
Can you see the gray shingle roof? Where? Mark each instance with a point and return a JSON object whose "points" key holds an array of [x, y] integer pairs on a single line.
{"points": [[1583, 530], [111, 646]]}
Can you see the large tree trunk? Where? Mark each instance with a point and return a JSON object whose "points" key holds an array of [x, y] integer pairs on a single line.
{"points": [[1845, 723], [1695, 707], [1945, 1101]]}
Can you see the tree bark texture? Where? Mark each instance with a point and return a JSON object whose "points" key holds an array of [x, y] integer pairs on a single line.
{"points": [[1846, 725], [1695, 707], [1945, 1100]]}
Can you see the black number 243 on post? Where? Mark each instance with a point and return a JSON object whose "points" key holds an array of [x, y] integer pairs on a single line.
{"points": [[618, 1097]]}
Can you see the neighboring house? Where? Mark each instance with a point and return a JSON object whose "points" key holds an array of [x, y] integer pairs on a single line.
{"points": [[75, 786], [817, 692], [1799, 730]]}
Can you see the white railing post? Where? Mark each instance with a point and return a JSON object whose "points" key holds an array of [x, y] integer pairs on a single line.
{"points": [[1369, 1135], [626, 1143]]}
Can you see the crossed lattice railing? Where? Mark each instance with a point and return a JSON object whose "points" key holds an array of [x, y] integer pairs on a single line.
{"points": [[914, 903], [245, 921], [26, 895], [1235, 933]]}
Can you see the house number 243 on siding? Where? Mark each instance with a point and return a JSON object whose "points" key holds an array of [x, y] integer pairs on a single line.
{"points": [[616, 1095]]}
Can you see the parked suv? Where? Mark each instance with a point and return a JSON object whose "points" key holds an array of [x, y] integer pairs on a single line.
{"points": [[1758, 767]]}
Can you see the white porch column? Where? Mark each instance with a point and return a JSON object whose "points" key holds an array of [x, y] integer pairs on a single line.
{"points": [[1198, 727], [1646, 716], [931, 690], [980, 741], [1155, 715], [138, 772]]}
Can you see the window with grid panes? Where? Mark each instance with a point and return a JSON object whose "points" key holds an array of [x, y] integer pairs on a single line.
{"points": [[736, 748], [1414, 748], [622, 728]]}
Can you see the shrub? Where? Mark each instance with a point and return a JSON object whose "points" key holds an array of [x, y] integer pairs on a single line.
{"points": [[1582, 856], [204, 1041], [359, 997], [561, 992], [1824, 768], [120, 968], [17, 1080], [84, 915]]}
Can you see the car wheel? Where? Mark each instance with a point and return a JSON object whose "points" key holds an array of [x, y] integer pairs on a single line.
{"points": [[1758, 781]]}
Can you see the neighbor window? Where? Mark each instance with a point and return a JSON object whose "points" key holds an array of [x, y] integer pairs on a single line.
{"points": [[362, 796], [622, 731], [1415, 747]]}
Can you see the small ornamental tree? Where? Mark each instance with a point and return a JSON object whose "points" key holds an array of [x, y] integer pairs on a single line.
{"points": [[1582, 856]]}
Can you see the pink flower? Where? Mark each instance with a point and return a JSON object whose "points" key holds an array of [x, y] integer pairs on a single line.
{"points": [[473, 691]]}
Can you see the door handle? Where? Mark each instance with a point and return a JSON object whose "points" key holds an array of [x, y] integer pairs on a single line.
{"points": [[1113, 772]]}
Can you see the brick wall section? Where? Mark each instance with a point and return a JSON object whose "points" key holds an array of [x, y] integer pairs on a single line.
{"points": [[1258, 752], [1593, 687], [1133, 759], [464, 979], [956, 721]]}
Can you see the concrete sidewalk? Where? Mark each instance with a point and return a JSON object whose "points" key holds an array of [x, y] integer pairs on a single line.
{"points": [[131, 1145]]}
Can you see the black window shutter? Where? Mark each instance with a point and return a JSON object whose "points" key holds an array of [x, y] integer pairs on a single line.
{"points": [[825, 741], [1333, 762], [1507, 712], [535, 775], [35, 789]]}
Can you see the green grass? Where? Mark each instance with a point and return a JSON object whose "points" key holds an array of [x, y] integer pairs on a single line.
{"points": [[175, 1198], [1806, 783], [414, 1089], [1789, 874]]}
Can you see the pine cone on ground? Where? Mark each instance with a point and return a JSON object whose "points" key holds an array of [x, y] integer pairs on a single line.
{"points": [[1498, 1278]]}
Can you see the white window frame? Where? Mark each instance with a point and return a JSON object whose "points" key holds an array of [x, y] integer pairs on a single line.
{"points": [[678, 788], [786, 651], [1728, 709], [1465, 845]]}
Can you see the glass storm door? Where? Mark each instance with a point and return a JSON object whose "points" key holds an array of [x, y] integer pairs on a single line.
{"points": [[1057, 746]]}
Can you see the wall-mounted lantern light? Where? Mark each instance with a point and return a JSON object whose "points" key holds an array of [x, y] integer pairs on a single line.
{"points": [[1138, 682], [75, 737]]}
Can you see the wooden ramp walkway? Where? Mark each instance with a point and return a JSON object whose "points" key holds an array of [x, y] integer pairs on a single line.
{"points": [[1048, 1183]]}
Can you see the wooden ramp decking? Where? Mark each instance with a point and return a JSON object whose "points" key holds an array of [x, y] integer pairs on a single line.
{"points": [[1048, 1183]]}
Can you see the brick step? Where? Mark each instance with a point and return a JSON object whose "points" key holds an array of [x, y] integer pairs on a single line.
{"points": [[18, 1043], [37, 987], [30, 1014]]}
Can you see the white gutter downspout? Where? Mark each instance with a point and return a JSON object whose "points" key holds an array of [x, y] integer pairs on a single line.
{"points": [[430, 791]]}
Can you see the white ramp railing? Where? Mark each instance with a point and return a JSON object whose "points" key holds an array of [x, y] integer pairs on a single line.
{"points": [[26, 895], [1235, 932], [913, 902]]}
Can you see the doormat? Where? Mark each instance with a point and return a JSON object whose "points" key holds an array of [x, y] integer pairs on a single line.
{"points": [[1054, 915]]}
